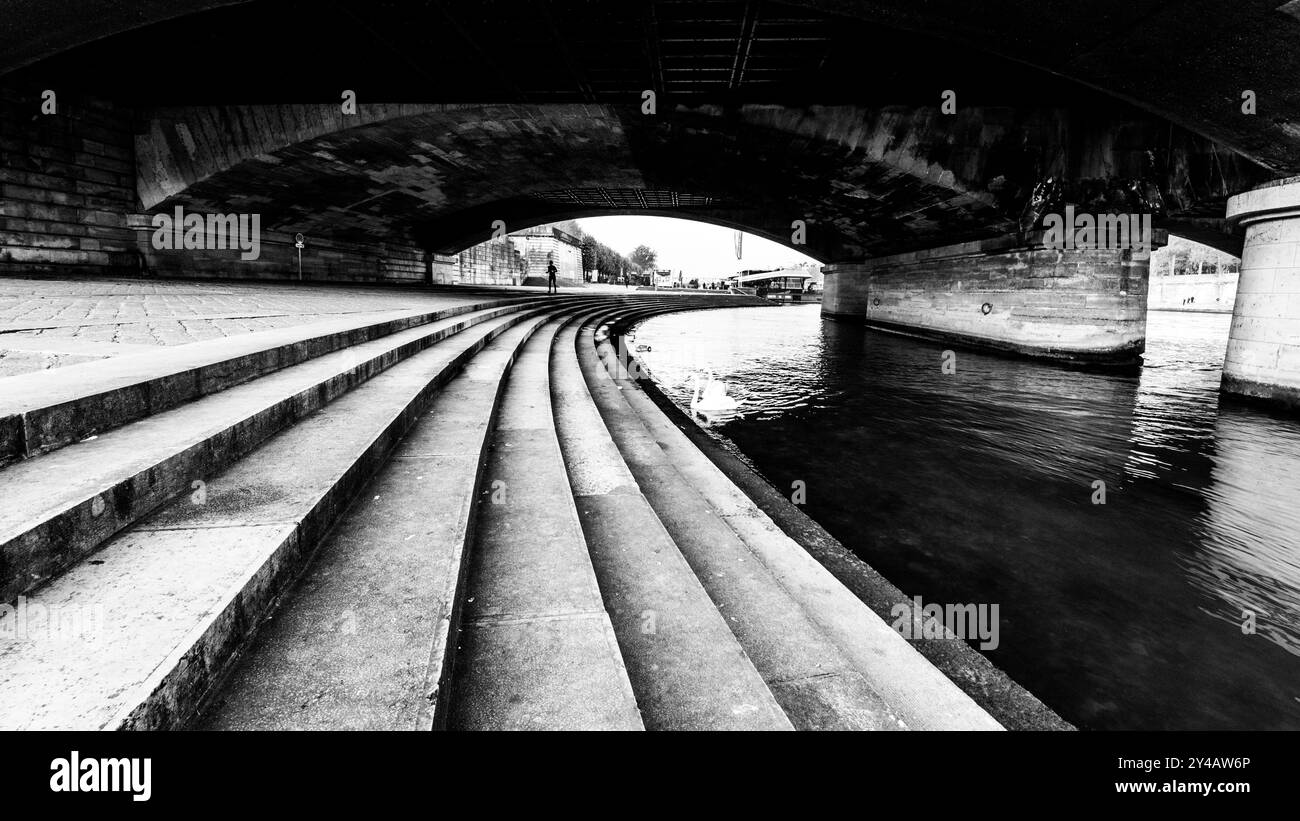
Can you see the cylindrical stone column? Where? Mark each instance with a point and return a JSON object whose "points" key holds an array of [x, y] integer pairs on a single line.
{"points": [[1263, 356]]}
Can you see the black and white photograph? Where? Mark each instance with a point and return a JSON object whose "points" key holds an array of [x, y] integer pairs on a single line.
{"points": [[526, 370]]}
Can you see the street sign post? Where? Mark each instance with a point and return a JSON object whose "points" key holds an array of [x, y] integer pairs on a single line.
{"points": [[298, 242]]}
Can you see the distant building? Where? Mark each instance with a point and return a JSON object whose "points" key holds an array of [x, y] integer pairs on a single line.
{"points": [[513, 260], [545, 244], [784, 279], [817, 276], [787, 284]]}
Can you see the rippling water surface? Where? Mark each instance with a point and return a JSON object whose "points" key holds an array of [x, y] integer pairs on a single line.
{"points": [[978, 487]]}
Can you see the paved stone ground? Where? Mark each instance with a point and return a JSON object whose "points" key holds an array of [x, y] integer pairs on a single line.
{"points": [[48, 323]]}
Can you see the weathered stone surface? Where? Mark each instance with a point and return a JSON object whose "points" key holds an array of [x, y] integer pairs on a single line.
{"points": [[56, 407], [379, 194], [688, 672], [1263, 356], [63, 504], [865, 181], [538, 651], [845, 291], [1077, 305], [67, 182], [370, 632], [1118, 55]]}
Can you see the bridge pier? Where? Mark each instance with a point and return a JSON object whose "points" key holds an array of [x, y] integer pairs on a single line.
{"points": [[844, 290], [1263, 356], [1081, 305]]}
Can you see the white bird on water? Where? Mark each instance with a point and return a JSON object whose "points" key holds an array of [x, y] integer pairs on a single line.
{"points": [[711, 397]]}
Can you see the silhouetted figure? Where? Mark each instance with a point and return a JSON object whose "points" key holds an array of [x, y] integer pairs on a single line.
{"points": [[551, 271]]}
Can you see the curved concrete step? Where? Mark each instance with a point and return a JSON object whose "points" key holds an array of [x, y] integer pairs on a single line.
{"points": [[149, 627], [60, 507], [173, 598], [300, 676], [916, 691], [685, 666], [812, 680], [537, 651], [366, 638], [46, 410]]}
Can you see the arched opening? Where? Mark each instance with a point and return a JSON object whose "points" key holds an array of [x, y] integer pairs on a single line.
{"points": [[629, 250], [435, 155], [1191, 291]]}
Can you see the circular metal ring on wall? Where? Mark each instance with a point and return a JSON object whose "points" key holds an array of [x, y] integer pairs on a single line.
{"points": [[876, 302], [986, 308]]}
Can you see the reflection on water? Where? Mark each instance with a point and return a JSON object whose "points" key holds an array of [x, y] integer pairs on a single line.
{"points": [[978, 487]]}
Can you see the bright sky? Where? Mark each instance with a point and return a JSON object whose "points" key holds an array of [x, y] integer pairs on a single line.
{"points": [[697, 248]]}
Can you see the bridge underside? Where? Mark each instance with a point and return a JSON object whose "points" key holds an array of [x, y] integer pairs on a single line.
{"points": [[816, 124], [862, 182], [578, 51]]}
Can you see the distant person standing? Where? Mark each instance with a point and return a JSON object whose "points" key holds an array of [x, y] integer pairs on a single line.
{"points": [[551, 271]]}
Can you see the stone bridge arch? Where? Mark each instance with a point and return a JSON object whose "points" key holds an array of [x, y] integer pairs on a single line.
{"points": [[821, 110], [863, 181]]}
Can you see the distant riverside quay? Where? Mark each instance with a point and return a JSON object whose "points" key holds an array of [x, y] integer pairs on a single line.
{"points": [[1201, 293]]}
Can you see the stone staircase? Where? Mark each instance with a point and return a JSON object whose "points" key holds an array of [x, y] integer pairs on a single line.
{"points": [[469, 519]]}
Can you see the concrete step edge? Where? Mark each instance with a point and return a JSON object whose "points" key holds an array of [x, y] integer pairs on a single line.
{"points": [[689, 672], [230, 707], [483, 697], [185, 677], [925, 698], [33, 552], [818, 691], [47, 410]]}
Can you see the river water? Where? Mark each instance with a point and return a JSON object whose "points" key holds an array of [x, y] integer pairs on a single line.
{"points": [[1175, 604]]}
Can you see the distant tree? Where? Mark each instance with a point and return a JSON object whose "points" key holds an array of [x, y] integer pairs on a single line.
{"points": [[609, 263], [643, 258], [1182, 257], [589, 250]]}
